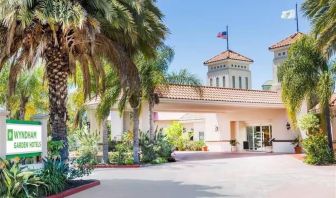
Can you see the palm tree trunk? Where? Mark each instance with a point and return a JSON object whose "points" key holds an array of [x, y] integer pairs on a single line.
{"points": [[136, 135], [105, 142], [57, 73], [328, 126], [151, 121], [22, 111]]}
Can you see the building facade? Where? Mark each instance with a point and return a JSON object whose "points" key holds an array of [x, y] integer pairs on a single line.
{"points": [[226, 108]]}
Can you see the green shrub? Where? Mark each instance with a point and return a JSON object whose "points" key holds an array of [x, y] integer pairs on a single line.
{"points": [[54, 148], [310, 123], [123, 153], [86, 145], [17, 183], [195, 145], [176, 136], [317, 150], [159, 160], [54, 174], [159, 147], [82, 166]]}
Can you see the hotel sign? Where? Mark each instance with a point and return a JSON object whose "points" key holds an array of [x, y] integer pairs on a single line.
{"points": [[24, 138]]}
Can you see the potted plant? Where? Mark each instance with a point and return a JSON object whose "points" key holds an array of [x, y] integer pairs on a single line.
{"points": [[297, 148], [204, 148], [268, 146], [234, 144]]}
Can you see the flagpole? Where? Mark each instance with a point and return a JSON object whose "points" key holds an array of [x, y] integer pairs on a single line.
{"points": [[297, 18], [227, 39]]}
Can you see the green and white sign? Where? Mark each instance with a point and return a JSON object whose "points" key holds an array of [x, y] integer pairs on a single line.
{"points": [[23, 137]]}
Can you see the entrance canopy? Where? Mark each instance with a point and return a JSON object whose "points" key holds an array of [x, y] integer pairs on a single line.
{"points": [[185, 98]]}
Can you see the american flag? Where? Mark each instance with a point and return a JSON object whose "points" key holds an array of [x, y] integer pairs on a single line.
{"points": [[222, 35]]}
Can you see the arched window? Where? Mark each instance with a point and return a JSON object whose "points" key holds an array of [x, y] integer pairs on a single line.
{"points": [[211, 82], [217, 82]]}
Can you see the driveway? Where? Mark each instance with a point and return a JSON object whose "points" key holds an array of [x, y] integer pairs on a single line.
{"points": [[218, 175]]}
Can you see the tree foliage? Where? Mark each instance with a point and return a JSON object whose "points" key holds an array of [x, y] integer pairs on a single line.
{"points": [[305, 76], [322, 14]]}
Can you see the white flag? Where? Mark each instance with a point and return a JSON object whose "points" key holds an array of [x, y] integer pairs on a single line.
{"points": [[288, 14]]}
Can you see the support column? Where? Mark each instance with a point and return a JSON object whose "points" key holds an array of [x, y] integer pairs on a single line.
{"points": [[43, 118], [95, 125], [117, 125], [144, 118], [3, 138]]}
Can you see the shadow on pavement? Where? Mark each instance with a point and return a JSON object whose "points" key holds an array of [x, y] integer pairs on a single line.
{"points": [[129, 188]]}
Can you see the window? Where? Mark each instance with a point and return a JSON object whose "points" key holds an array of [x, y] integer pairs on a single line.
{"points": [[240, 82], [217, 82], [279, 54], [210, 81], [223, 81], [283, 53], [246, 83], [201, 135], [233, 82]]}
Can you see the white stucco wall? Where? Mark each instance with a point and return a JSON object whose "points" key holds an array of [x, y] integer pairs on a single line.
{"points": [[279, 56], [116, 125], [217, 140], [95, 126]]}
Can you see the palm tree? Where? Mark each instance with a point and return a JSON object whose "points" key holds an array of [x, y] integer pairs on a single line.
{"points": [[63, 32], [323, 18], [183, 77], [112, 95], [306, 76], [153, 73]]}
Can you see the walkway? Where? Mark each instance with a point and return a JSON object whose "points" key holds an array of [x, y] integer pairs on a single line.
{"points": [[218, 175]]}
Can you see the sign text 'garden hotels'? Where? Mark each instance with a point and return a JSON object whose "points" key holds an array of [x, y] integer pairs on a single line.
{"points": [[24, 138]]}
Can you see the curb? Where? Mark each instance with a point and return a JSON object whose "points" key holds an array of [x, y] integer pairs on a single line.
{"points": [[75, 190], [117, 166]]}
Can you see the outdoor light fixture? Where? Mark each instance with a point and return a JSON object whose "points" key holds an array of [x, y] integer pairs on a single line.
{"points": [[216, 129], [288, 126]]}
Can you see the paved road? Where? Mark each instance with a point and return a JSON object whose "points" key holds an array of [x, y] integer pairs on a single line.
{"points": [[201, 175]]}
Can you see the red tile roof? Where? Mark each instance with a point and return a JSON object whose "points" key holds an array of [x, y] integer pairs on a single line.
{"points": [[186, 92], [287, 41], [228, 55]]}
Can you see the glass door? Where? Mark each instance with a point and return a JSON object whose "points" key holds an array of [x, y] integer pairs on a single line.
{"points": [[257, 136]]}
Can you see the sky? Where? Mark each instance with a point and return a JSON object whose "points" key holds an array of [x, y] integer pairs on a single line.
{"points": [[254, 25]]}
